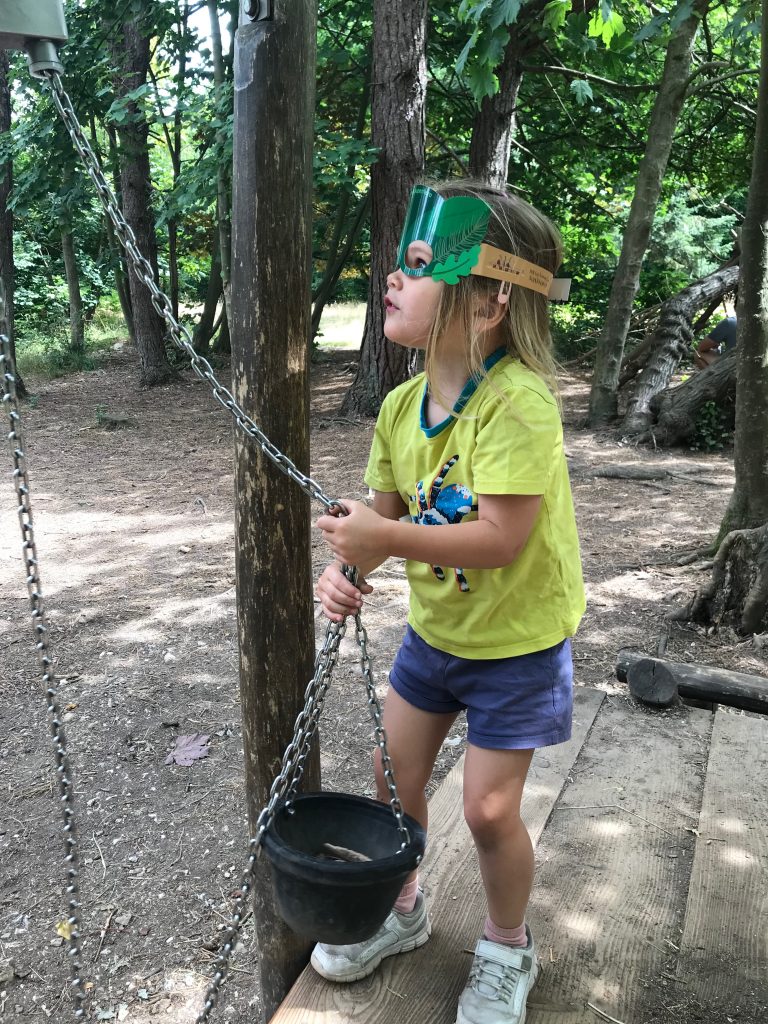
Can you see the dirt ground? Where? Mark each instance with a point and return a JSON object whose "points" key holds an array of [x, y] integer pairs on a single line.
{"points": [[134, 529]]}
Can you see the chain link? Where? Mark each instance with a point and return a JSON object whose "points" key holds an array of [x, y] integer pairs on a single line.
{"points": [[45, 657], [286, 784]]}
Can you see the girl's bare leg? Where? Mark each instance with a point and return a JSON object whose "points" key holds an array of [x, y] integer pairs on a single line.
{"points": [[414, 738], [493, 790]]}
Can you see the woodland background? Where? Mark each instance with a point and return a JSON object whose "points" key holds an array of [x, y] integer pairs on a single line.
{"points": [[638, 128], [641, 129]]}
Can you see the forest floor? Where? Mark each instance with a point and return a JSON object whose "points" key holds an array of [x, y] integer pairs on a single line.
{"points": [[135, 536]]}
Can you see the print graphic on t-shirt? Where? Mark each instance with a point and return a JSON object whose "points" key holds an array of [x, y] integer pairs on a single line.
{"points": [[445, 505]]}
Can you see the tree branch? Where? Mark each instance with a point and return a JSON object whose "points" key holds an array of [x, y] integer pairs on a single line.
{"points": [[586, 76], [708, 83], [450, 151]]}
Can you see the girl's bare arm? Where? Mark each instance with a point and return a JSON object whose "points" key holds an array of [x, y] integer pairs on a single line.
{"points": [[493, 540]]}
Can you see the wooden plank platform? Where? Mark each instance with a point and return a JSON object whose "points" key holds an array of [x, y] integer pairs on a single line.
{"points": [[651, 895], [724, 951], [425, 985], [614, 865]]}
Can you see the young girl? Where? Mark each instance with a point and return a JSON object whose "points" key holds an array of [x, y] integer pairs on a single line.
{"points": [[473, 445]]}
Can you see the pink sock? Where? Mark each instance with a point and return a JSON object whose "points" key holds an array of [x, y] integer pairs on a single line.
{"points": [[406, 901], [505, 936]]}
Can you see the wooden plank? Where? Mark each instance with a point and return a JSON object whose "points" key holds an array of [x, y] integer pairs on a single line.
{"points": [[614, 866], [724, 950], [425, 985]]}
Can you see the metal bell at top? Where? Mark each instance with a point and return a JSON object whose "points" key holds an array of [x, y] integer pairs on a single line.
{"points": [[36, 27]]}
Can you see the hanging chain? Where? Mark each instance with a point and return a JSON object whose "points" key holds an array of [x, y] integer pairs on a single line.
{"points": [[201, 366], [178, 333], [286, 784], [43, 647], [291, 772]]}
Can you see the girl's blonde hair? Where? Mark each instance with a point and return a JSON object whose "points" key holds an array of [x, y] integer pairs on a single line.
{"points": [[518, 228]]}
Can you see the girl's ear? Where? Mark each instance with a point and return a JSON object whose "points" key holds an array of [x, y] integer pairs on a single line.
{"points": [[490, 310]]}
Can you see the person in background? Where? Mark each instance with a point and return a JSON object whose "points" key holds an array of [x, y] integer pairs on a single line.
{"points": [[721, 338]]}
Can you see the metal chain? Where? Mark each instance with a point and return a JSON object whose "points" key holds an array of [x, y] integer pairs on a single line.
{"points": [[203, 369], [43, 647], [286, 783], [178, 333]]}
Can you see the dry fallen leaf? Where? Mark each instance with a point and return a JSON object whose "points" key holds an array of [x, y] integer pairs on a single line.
{"points": [[64, 929], [188, 749]]}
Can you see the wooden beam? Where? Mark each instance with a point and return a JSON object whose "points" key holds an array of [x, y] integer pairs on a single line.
{"points": [[272, 217], [705, 682]]}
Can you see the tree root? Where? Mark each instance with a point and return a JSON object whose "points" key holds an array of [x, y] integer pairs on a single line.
{"points": [[737, 594]]}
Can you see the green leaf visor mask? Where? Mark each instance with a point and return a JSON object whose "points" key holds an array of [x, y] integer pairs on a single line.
{"points": [[443, 239]]}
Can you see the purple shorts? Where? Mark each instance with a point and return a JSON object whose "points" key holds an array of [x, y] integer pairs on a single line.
{"points": [[512, 703]]}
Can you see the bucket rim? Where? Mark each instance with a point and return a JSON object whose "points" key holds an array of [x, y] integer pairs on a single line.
{"points": [[278, 851]]}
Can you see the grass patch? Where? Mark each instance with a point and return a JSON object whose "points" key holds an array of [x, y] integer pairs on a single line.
{"points": [[44, 350], [341, 325]]}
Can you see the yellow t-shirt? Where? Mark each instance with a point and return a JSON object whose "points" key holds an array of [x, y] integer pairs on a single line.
{"points": [[493, 447]]}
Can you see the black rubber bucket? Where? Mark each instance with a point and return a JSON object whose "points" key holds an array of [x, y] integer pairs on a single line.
{"points": [[336, 901]]}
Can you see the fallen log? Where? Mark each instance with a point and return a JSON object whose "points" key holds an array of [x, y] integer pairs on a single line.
{"points": [[676, 409], [637, 471], [671, 341], [655, 677]]}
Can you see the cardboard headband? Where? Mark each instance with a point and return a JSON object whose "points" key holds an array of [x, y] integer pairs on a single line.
{"points": [[443, 239]]}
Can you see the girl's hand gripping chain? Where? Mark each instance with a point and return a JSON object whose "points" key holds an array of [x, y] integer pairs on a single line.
{"points": [[357, 538], [340, 597]]}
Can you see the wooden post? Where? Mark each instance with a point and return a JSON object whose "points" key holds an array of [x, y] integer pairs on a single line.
{"points": [[272, 219]]}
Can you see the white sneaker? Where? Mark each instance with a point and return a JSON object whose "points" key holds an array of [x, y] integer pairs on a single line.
{"points": [[400, 933], [499, 983]]}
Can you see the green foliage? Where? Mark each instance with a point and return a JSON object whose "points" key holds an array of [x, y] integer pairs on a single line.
{"points": [[574, 329], [605, 24], [582, 90], [714, 428], [577, 145], [688, 241], [43, 349]]}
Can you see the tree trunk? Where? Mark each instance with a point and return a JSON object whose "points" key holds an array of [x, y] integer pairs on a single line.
{"points": [[173, 224], [494, 125], [118, 260], [271, 258], [223, 200], [670, 342], [749, 504], [399, 88], [737, 594], [336, 260], [122, 284], [7, 270], [205, 325], [132, 62], [738, 591], [635, 360], [76, 323], [676, 409], [650, 175], [222, 343]]}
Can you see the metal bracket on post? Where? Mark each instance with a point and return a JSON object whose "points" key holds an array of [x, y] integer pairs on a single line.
{"points": [[260, 10], [38, 28]]}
